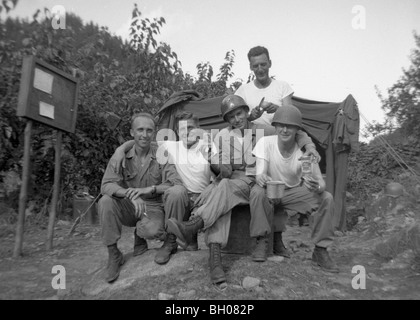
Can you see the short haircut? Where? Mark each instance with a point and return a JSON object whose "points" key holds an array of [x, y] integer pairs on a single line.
{"points": [[186, 115], [143, 115], [257, 51]]}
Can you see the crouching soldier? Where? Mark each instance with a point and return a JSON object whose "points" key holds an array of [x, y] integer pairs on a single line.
{"points": [[134, 197]]}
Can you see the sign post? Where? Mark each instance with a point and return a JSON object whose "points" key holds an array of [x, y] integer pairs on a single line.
{"points": [[49, 96], [23, 191], [56, 189]]}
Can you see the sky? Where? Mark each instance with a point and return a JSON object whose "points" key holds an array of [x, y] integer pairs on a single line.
{"points": [[325, 49]]}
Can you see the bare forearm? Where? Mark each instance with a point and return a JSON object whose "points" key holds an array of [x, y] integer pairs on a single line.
{"points": [[160, 189]]}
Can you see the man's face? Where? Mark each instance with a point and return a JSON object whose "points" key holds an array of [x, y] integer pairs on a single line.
{"points": [[260, 65], [185, 128], [286, 132], [237, 118], [142, 130]]}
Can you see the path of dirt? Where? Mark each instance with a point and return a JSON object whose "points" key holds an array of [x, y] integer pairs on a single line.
{"points": [[186, 276]]}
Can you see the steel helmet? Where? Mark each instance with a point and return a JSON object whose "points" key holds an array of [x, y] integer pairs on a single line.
{"points": [[230, 103], [394, 189], [288, 114]]}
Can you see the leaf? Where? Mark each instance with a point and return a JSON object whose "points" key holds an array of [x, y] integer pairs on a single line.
{"points": [[6, 6]]}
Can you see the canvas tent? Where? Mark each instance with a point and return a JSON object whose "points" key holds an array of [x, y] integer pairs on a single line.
{"points": [[334, 127]]}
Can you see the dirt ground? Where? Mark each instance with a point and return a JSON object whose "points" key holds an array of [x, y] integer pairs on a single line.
{"points": [[186, 275]]}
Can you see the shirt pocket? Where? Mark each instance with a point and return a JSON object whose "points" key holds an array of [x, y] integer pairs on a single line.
{"points": [[130, 178], [155, 174]]}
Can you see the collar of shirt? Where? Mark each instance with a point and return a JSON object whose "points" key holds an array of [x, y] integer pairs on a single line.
{"points": [[249, 126], [132, 152]]}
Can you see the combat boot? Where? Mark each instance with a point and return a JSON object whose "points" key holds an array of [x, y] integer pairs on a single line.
{"points": [[193, 246], [169, 247], [279, 248], [217, 275], [140, 245], [186, 231], [115, 261], [321, 258], [260, 252]]}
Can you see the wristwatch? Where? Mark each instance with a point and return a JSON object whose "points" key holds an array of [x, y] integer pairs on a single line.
{"points": [[153, 189]]}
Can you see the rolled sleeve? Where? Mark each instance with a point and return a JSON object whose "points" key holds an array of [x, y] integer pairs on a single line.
{"points": [[303, 140], [220, 159], [170, 176]]}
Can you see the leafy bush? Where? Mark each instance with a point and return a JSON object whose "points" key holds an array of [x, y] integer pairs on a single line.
{"points": [[373, 166], [115, 77]]}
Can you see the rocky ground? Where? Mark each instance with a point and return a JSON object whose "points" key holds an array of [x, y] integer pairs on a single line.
{"points": [[186, 276]]}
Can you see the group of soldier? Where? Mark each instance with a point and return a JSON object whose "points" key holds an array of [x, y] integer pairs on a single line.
{"points": [[172, 190]]}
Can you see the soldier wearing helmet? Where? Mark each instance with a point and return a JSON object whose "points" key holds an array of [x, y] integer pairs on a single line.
{"points": [[234, 146], [278, 160]]}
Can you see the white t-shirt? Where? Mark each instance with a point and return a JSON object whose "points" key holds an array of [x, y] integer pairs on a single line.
{"points": [[274, 93], [288, 170], [191, 165]]}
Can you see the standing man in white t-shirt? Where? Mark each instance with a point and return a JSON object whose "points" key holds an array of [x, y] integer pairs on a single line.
{"points": [[274, 92], [278, 160]]}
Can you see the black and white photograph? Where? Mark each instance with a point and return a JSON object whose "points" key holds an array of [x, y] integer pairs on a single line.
{"points": [[213, 156]]}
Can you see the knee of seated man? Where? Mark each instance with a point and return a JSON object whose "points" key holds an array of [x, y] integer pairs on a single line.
{"points": [[224, 182], [105, 201], [257, 192], [326, 196], [149, 229], [175, 192]]}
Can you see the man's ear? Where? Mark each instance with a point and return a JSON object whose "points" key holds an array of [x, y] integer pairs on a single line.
{"points": [[269, 63], [131, 133]]}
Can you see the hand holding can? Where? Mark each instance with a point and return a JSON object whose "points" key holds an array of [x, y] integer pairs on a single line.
{"points": [[306, 166]]}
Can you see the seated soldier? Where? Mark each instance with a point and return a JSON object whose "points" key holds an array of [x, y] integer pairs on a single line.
{"points": [[190, 157], [233, 150], [278, 159]]}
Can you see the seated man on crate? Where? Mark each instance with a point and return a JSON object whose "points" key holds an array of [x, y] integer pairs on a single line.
{"points": [[133, 197], [233, 158], [278, 159]]}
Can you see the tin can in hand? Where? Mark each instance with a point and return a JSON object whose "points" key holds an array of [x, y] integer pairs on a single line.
{"points": [[306, 166]]}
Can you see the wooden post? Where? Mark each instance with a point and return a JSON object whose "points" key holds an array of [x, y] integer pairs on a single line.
{"points": [[56, 191], [23, 191]]}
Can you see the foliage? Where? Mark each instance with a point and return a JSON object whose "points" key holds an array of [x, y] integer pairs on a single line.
{"points": [[402, 102], [373, 166], [7, 5], [116, 77]]}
